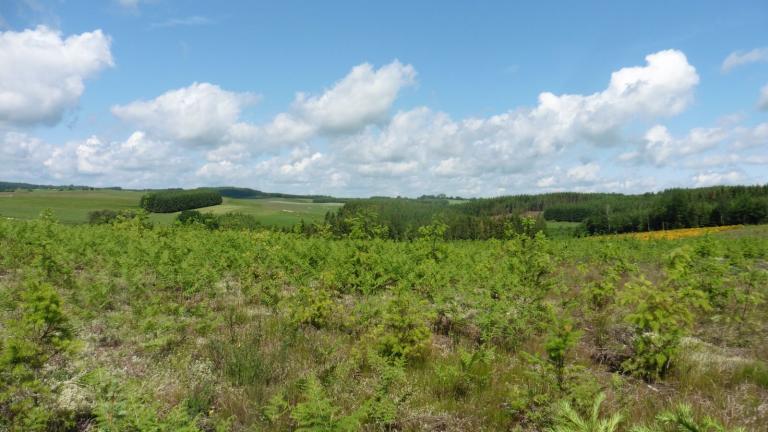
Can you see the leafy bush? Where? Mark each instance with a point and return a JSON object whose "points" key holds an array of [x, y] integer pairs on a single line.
{"points": [[40, 335], [403, 331], [99, 217], [561, 339], [661, 317], [176, 200], [230, 221], [312, 306]]}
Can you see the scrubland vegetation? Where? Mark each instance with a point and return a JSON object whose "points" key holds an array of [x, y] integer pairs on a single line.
{"points": [[130, 326]]}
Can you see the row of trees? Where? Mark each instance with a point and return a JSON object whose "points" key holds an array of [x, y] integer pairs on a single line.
{"points": [[599, 213], [176, 200], [682, 208], [615, 213], [402, 218]]}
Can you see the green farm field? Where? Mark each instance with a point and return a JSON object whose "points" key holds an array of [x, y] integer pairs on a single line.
{"points": [[72, 207], [280, 212]]}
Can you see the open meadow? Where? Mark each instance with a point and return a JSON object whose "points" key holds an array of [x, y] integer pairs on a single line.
{"points": [[133, 327], [74, 206]]}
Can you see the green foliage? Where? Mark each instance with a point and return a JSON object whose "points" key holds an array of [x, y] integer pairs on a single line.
{"points": [[231, 221], [537, 400], [402, 218], [318, 414], [41, 334], [561, 339], [661, 315], [569, 420], [660, 319], [176, 200], [312, 306], [755, 372], [472, 370], [181, 327], [243, 362], [390, 391], [432, 236], [122, 407], [682, 419], [402, 331], [97, 217], [515, 309], [276, 408], [364, 226]]}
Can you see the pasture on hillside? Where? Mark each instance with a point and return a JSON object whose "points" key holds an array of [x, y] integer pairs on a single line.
{"points": [[73, 206]]}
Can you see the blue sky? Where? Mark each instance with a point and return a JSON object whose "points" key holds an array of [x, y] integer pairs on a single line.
{"points": [[360, 98]]}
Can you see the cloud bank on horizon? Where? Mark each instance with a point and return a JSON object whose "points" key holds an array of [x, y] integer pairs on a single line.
{"points": [[352, 137]]}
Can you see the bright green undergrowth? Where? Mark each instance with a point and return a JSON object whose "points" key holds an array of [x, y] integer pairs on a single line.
{"points": [[133, 327]]}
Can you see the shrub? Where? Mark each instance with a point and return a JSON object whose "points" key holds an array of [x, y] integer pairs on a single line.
{"points": [[177, 200], [403, 331], [99, 217], [41, 334], [561, 339], [312, 306], [236, 221], [660, 319], [190, 216]]}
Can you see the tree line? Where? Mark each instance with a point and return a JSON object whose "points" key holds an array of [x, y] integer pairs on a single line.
{"points": [[401, 219], [599, 213], [170, 201]]}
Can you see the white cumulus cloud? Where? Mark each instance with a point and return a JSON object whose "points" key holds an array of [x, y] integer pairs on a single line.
{"points": [[350, 140], [42, 73], [518, 140], [584, 173], [661, 148], [201, 115], [741, 58], [711, 178], [362, 97], [138, 160]]}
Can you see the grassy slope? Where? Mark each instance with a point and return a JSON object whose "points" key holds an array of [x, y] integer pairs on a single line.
{"points": [[276, 211], [69, 206], [73, 206], [166, 334]]}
